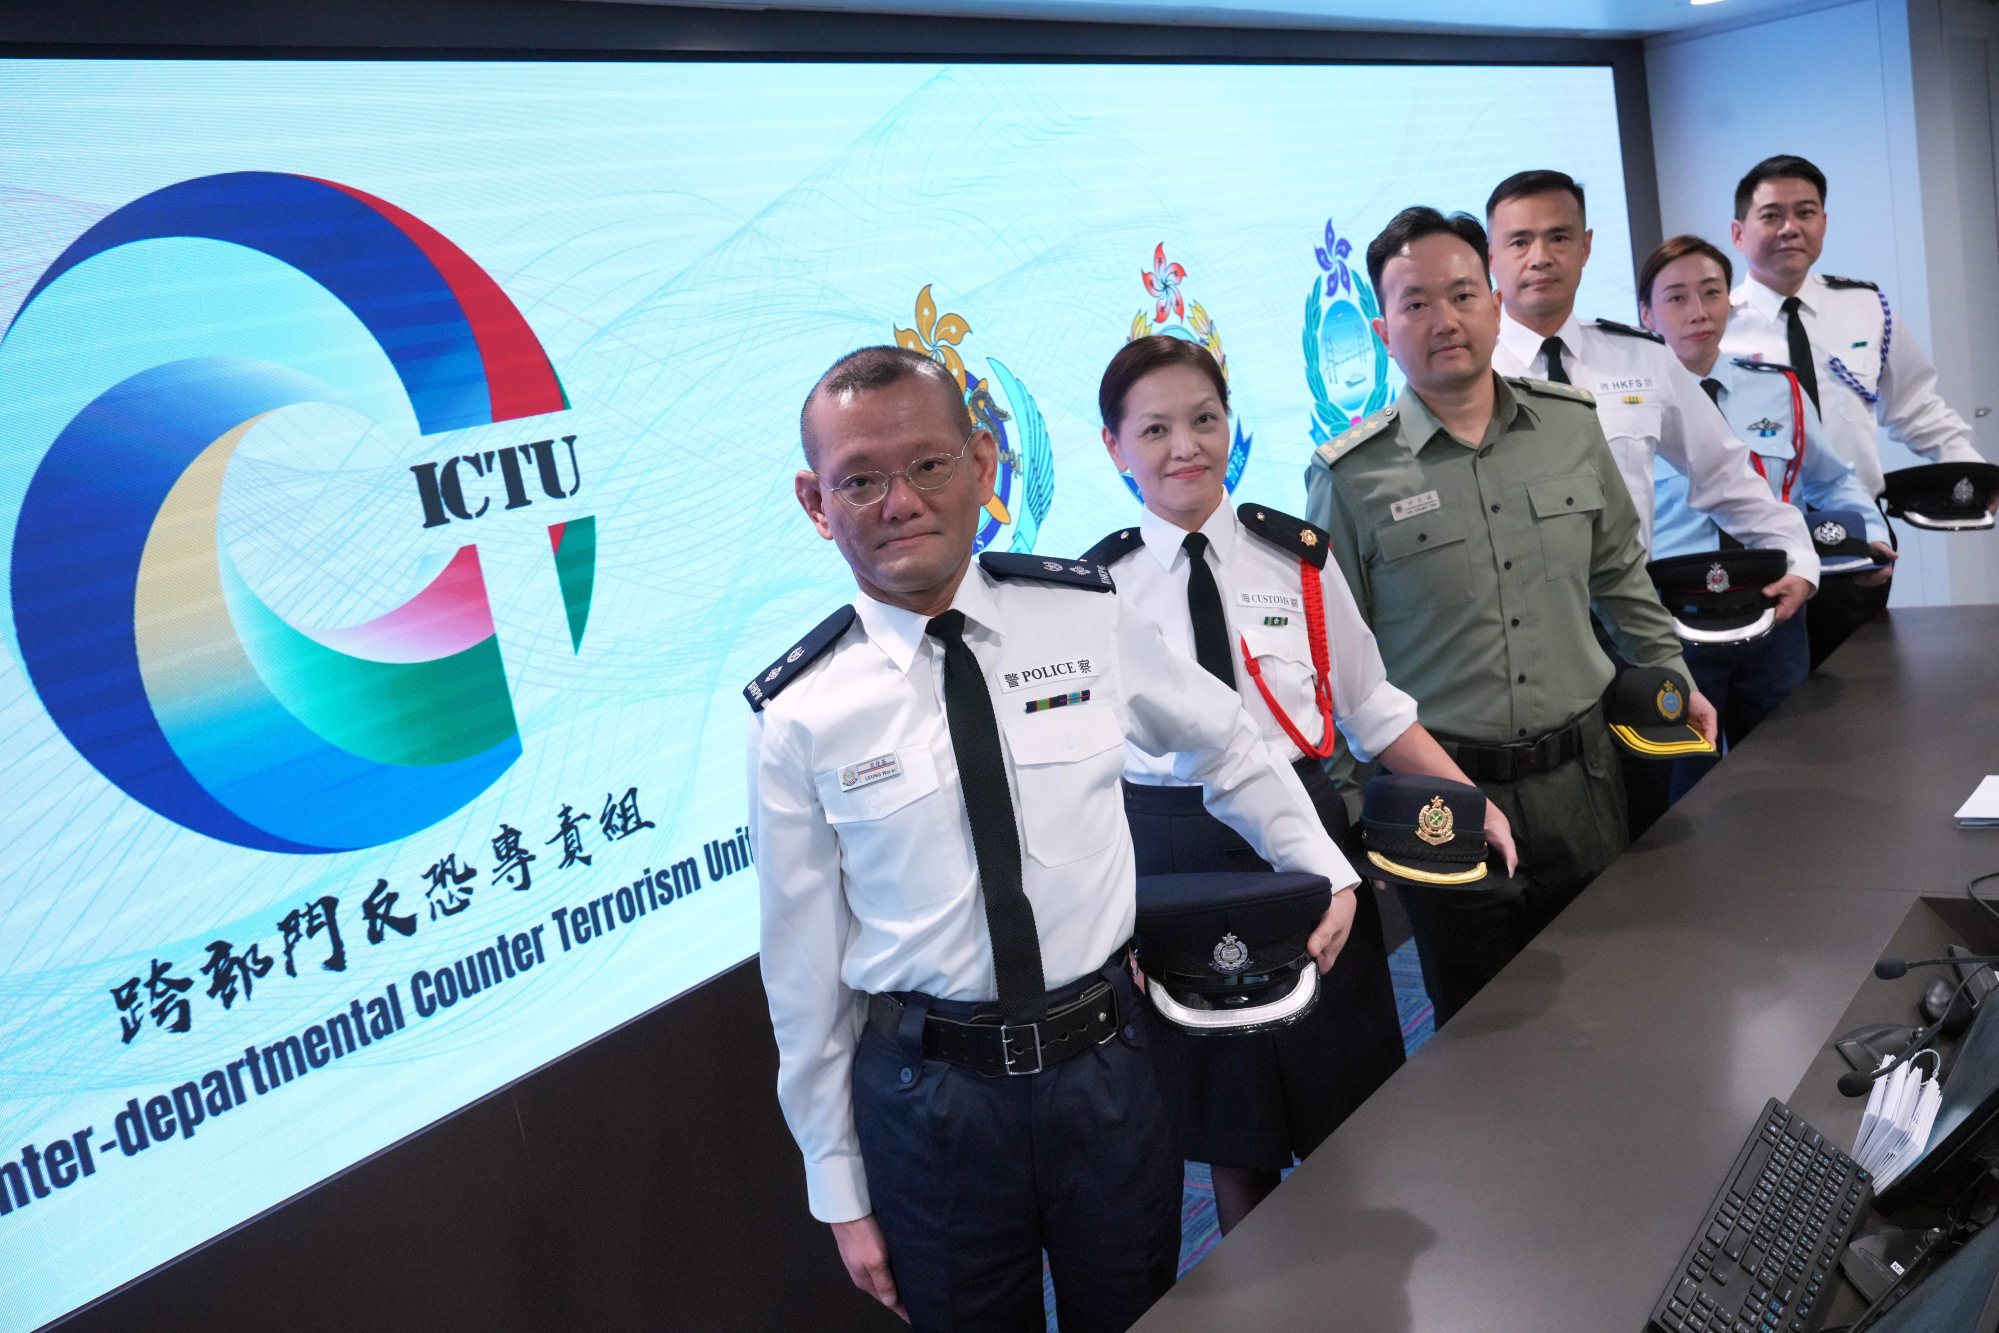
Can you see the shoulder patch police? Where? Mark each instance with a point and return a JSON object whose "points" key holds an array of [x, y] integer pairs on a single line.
{"points": [[1070, 573], [1293, 536], [1575, 393], [1359, 433], [1777, 366], [1848, 284], [1114, 547], [789, 667], [1626, 331]]}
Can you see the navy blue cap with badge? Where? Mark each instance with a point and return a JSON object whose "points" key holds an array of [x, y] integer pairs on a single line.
{"points": [[1717, 596], [1647, 711], [1840, 535], [1224, 951], [1944, 497], [1424, 832]]}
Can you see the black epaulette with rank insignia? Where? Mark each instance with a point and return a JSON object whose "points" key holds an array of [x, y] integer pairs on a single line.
{"points": [[1849, 284], [1069, 573], [802, 655], [1775, 367], [1626, 331], [1114, 547], [1293, 536]]}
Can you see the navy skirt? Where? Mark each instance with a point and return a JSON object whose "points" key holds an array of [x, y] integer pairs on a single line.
{"points": [[1264, 1101]]}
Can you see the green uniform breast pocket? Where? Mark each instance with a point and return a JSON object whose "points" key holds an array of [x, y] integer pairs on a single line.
{"points": [[1425, 560], [1565, 513]]}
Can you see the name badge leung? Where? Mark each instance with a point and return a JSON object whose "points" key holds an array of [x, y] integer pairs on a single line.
{"points": [[867, 772], [1015, 679]]}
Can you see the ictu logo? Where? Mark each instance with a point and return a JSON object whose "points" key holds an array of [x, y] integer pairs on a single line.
{"points": [[148, 648]]}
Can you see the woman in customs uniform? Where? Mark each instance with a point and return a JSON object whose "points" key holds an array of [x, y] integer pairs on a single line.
{"points": [[1240, 590]]}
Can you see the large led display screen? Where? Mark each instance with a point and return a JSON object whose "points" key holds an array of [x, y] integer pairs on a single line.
{"points": [[396, 492]]}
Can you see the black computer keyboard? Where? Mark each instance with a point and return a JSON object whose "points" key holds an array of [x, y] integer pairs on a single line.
{"points": [[1764, 1257]]}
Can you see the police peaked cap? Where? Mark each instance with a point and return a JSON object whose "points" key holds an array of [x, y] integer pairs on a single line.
{"points": [[1224, 951], [1945, 496]]}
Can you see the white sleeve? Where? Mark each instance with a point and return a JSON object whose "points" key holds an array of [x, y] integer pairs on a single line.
{"points": [[803, 935], [1721, 481], [1372, 713], [1172, 706], [1912, 409]]}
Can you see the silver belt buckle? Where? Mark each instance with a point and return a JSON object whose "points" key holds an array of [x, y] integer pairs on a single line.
{"points": [[1006, 1047]]}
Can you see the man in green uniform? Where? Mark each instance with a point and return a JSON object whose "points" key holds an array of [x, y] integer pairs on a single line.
{"points": [[1475, 520]]}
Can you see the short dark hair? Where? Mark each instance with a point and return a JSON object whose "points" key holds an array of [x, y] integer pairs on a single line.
{"points": [[868, 369], [1542, 181], [1413, 224], [1679, 247], [1139, 358], [1784, 166]]}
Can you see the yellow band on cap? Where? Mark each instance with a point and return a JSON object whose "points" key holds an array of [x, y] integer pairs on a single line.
{"points": [[1471, 876], [1643, 746]]}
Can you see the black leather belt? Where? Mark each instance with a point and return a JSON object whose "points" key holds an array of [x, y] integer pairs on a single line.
{"points": [[1523, 758], [984, 1045]]}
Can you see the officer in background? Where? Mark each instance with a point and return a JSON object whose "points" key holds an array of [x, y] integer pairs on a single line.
{"points": [[1860, 366], [947, 888], [1648, 405], [1683, 297], [1474, 521]]}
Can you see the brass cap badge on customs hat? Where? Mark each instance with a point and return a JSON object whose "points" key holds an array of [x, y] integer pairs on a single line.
{"points": [[1424, 831]]}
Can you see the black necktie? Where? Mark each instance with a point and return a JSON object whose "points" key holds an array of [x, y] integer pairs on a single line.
{"points": [[1204, 608], [1713, 388], [968, 707], [1552, 349], [1801, 350]]}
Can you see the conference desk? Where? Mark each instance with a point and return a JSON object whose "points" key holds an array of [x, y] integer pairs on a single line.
{"points": [[1540, 1165]]}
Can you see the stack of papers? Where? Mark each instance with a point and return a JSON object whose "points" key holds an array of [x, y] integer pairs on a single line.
{"points": [[1982, 810], [1895, 1129]]}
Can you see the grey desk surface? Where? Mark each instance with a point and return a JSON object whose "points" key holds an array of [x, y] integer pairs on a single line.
{"points": [[1541, 1163]]}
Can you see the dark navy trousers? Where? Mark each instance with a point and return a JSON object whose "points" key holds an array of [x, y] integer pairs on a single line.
{"points": [[1744, 682], [972, 1177]]}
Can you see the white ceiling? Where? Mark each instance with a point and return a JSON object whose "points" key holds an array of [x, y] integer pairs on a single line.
{"points": [[1575, 18]]}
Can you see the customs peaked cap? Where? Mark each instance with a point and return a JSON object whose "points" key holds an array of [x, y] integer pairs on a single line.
{"points": [[1424, 831]]}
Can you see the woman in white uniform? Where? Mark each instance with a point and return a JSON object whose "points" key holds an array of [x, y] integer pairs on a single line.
{"points": [[1241, 591]]}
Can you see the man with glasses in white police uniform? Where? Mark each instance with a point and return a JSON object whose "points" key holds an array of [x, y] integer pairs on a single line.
{"points": [[947, 881]]}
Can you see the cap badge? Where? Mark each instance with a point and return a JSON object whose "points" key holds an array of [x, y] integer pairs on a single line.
{"points": [[1671, 702], [1435, 824], [1717, 578], [1309, 537], [1830, 533], [1231, 955], [1962, 492]]}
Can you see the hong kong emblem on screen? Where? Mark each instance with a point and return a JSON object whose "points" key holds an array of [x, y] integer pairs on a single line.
{"points": [[148, 647]]}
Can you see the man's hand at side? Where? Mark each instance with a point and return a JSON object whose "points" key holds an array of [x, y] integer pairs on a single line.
{"points": [[865, 1254]]}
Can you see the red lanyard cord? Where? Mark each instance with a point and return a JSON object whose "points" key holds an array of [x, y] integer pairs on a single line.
{"points": [[1322, 663], [1797, 463]]}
